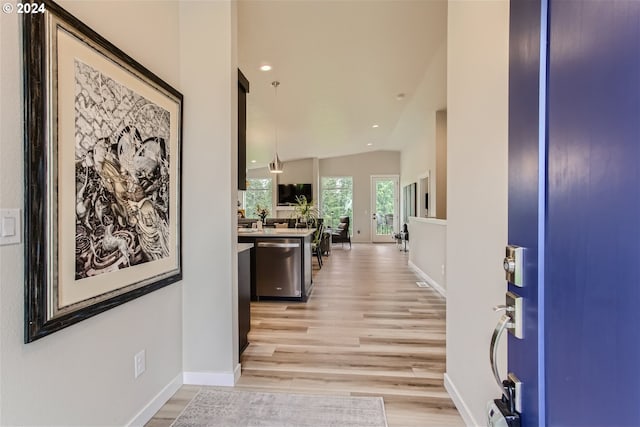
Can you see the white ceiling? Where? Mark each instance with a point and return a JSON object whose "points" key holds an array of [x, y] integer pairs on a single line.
{"points": [[341, 65]]}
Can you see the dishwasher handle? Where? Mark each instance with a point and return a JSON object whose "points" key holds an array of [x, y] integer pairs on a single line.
{"points": [[278, 245]]}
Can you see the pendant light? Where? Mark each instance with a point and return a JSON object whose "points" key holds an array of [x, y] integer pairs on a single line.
{"points": [[276, 165]]}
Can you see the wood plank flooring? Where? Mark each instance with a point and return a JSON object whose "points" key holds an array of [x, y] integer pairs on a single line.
{"points": [[367, 330]]}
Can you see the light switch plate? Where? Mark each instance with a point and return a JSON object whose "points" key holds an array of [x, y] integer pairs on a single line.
{"points": [[10, 227], [139, 363]]}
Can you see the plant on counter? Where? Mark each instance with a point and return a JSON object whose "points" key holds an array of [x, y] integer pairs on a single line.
{"points": [[305, 211], [262, 212]]}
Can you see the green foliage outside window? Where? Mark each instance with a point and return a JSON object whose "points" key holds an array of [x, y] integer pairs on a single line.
{"points": [[259, 193], [337, 199], [384, 197], [384, 205]]}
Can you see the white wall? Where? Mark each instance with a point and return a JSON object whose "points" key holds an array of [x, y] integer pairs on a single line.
{"points": [[361, 167], [208, 79], [83, 375], [427, 254], [296, 172], [259, 173], [477, 86], [416, 130]]}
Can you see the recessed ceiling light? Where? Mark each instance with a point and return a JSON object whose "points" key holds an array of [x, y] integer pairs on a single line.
{"points": [[253, 161], [375, 126], [266, 67], [369, 144]]}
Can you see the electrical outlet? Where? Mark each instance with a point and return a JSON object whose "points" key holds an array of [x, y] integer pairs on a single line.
{"points": [[139, 363], [442, 268]]}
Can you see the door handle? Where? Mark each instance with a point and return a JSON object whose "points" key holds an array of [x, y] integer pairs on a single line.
{"points": [[506, 308], [278, 245], [503, 323], [512, 321]]}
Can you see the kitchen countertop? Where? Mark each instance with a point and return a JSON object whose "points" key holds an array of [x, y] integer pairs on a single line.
{"points": [[244, 247], [276, 232]]}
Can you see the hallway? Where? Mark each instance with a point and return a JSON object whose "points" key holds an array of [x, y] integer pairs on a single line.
{"points": [[367, 330]]}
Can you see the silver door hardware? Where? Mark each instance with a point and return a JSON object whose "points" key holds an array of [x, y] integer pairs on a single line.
{"points": [[512, 321], [518, 392], [513, 311], [502, 412], [493, 348], [506, 411], [513, 265], [514, 302], [278, 245]]}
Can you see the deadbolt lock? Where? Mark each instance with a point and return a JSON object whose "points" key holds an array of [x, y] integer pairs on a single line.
{"points": [[509, 265], [513, 264]]}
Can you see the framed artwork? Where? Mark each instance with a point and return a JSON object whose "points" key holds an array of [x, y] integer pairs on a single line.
{"points": [[409, 198], [102, 175]]}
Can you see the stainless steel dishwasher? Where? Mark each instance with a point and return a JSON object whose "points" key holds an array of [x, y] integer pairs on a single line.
{"points": [[278, 267]]}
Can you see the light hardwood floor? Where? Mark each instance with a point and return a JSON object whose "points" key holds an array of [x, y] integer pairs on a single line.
{"points": [[367, 330]]}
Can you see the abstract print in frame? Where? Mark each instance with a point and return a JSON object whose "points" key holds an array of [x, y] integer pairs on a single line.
{"points": [[102, 175]]}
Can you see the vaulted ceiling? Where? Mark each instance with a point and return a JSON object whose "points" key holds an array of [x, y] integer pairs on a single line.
{"points": [[343, 67]]}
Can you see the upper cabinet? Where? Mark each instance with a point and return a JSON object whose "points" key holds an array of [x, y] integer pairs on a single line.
{"points": [[243, 90]]}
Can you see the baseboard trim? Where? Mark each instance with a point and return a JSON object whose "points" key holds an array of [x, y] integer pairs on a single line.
{"points": [[156, 403], [462, 407], [237, 372], [210, 378], [435, 285]]}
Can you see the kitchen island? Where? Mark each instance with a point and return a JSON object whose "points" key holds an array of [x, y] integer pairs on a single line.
{"points": [[280, 262]]}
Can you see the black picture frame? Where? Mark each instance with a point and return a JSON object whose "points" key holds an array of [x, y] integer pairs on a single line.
{"points": [[410, 202], [103, 220]]}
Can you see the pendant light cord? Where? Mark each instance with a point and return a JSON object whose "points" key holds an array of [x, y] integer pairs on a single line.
{"points": [[275, 85]]}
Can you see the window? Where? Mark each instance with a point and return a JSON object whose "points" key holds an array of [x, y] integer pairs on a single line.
{"points": [[336, 194], [259, 192]]}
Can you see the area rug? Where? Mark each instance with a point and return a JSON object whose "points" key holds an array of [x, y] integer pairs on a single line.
{"points": [[221, 408]]}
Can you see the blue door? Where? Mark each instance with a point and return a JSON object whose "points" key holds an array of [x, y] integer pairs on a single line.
{"points": [[574, 203], [592, 278]]}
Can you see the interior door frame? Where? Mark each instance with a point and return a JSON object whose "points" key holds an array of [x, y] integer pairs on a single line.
{"points": [[375, 238]]}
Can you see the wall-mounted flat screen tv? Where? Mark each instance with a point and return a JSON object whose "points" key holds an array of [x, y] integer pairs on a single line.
{"points": [[287, 193]]}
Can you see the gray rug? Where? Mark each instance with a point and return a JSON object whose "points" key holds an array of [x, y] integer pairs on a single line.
{"points": [[221, 408]]}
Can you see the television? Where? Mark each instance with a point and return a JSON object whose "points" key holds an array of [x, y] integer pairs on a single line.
{"points": [[287, 193]]}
